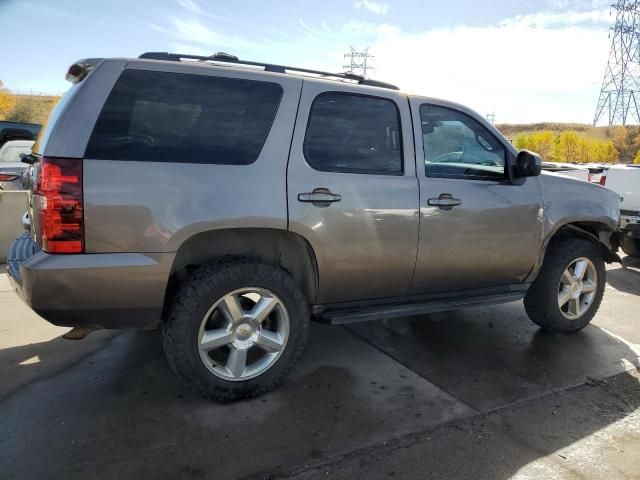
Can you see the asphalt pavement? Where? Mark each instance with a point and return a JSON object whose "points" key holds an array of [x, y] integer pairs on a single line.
{"points": [[479, 393]]}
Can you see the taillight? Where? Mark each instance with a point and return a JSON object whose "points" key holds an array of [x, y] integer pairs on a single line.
{"points": [[603, 180], [8, 177], [60, 207]]}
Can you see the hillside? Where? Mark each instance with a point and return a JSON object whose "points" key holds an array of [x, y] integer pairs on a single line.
{"points": [[589, 131], [574, 142], [26, 108]]}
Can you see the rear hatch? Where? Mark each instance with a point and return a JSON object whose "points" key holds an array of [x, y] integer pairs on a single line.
{"points": [[625, 181]]}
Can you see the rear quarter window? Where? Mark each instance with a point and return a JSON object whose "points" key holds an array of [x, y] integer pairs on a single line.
{"points": [[172, 117]]}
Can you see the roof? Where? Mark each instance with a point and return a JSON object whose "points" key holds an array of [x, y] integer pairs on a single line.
{"points": [[225, 58]]}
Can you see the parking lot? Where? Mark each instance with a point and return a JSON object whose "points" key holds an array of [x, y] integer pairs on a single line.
{"points": [[480, 393]]}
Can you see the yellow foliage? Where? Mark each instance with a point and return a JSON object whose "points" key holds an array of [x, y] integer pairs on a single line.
{"points": [[569, 146], [636, 160], [7, 102]]}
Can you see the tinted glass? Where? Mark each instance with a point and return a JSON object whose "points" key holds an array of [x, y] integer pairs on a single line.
{"points": [[353, 133], [456, 145], [171, 117]]}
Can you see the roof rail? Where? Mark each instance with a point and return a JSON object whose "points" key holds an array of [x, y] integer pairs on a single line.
{"points": [[222, 57]]}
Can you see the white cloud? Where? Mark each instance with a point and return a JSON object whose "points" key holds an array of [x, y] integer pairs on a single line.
{"points": [[540, 67], [373, 7], [524, 71]]}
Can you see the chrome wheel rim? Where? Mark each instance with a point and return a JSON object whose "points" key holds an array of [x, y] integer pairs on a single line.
{"points": [[577, 288], [243, 334]]}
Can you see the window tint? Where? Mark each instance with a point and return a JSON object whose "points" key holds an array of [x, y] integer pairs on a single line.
{"points": [[456, 145], [354, 133], [172, 117]]}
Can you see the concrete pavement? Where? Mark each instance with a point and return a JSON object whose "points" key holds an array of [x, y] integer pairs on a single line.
{"points": [[479, 393]]}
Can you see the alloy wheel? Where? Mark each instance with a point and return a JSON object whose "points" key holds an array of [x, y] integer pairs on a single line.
{"points": [[577, 288], [243, 334]]}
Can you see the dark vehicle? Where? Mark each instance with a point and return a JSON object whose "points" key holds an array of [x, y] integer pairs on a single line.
{"points": [[230, 202], [18, 131]]}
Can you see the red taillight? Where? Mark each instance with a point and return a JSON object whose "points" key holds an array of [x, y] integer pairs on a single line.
{"points": [[603, 180], [8, 177], [59, 208]]}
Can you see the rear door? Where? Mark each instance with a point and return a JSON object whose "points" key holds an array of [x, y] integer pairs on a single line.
{"points": [[352, 190]]}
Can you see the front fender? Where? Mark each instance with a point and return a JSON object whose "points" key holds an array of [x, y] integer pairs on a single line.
{"points": [[576, 207]]}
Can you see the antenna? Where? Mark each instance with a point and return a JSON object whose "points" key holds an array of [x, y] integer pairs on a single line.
{"points": [[358, 62], [620, 92]]}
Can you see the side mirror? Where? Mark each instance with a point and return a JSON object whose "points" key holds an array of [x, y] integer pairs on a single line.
{"points": [[28, 158], [528, 164]]}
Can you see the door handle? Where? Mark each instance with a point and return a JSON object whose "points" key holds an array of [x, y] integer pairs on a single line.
{"points": [[444, 201], [319, 195]]}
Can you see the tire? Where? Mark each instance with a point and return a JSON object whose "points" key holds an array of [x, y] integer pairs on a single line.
{"points": [[542, 301], [194, 323], [631, 246]]}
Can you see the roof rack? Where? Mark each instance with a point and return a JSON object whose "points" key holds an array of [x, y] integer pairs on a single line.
{"points": [[222, 57]]}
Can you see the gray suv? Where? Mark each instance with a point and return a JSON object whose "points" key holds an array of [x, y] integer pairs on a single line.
{"points": [[230, 202]]}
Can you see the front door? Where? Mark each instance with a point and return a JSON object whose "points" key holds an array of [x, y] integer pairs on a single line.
{"points": [[352, 190], [477, 229]]}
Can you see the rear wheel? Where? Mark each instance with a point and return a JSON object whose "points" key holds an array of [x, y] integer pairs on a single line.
{"points": [[236, 329], [631, 246], [568, 291]]}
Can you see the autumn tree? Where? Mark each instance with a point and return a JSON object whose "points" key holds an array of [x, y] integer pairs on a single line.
{"points": [[568, 146], [7, 102]]}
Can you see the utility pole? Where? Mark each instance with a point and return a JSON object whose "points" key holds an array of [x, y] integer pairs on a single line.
{"points": [[358, 62], [491, 117], [619, 97]]}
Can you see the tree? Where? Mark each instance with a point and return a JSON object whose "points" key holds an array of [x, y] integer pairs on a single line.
{"points": [[523, 141], [7, 101], [571, 147], [636, 160], [603, 152]]}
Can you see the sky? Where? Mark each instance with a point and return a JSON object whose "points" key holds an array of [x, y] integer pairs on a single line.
{"points": [[524, 60]]}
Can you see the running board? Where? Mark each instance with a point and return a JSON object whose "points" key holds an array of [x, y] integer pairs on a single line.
{"points": [[339, 316]]}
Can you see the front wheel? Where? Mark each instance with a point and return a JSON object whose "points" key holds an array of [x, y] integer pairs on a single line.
{"points": [[631, 246], [568, 291], [236, 329]]}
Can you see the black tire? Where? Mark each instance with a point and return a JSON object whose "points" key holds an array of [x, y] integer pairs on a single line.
{"points": [[541, 301], [198, 294], [631, 246]]}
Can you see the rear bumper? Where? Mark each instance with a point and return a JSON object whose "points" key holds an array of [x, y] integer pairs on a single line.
{"points": [[113, 290]]}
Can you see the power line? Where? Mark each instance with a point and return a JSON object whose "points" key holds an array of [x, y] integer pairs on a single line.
{"points": [[620, 92], [358, 62]]}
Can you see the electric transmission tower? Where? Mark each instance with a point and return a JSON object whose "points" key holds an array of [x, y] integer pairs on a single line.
{"points": [[620, 93], [358, 62]]}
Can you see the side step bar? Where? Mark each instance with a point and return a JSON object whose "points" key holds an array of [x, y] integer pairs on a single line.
{"points": [[339, 316]]}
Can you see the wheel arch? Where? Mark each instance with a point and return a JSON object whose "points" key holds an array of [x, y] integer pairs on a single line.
{"points": [[285, 249], [599, 233]]}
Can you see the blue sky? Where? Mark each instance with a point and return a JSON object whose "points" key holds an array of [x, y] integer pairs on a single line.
{"points": [[525, 60]]}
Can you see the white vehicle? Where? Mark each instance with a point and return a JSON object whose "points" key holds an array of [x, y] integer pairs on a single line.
{"points": [[11, 164], [625, 181], [568, 170]]}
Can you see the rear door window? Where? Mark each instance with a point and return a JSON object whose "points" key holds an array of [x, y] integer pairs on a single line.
{"points": [[173, 117], [354, 134]]}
